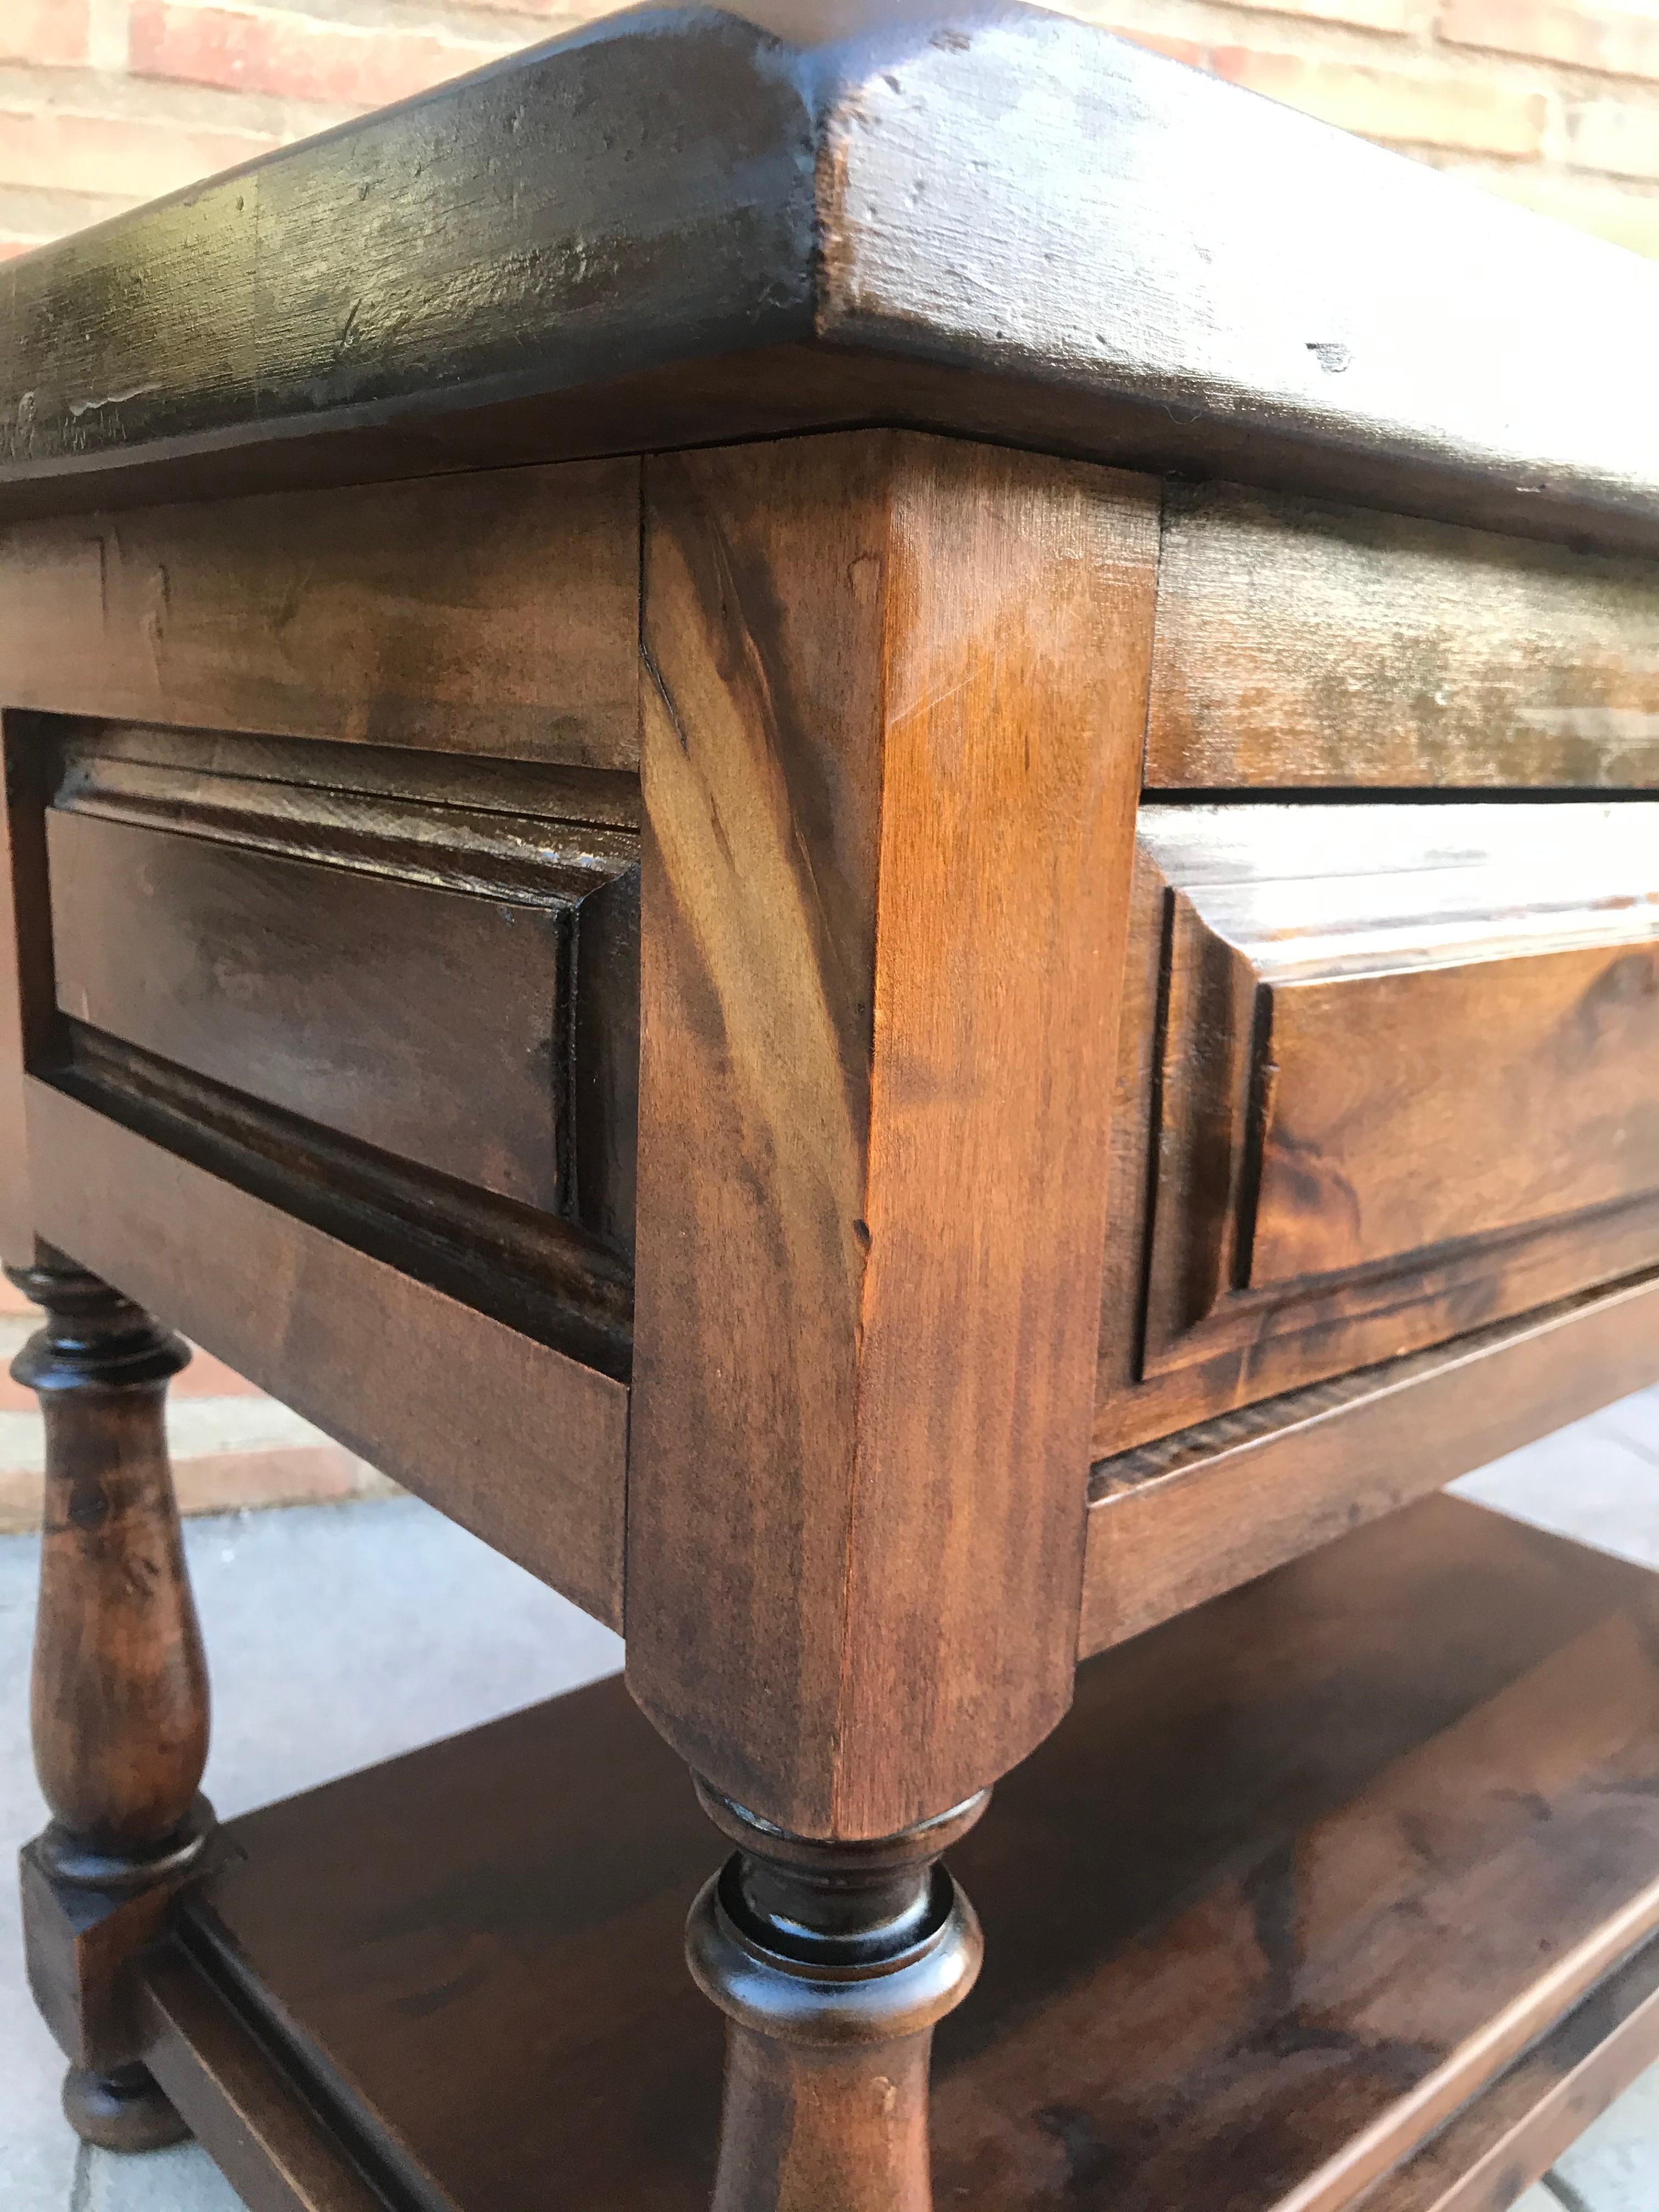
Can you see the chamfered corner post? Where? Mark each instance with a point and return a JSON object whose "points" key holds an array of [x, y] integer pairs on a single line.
{"points": [[894, 701], [119, 1697]]}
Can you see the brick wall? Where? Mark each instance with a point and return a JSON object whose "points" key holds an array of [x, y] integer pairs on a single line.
{"points": [[106, 102]]}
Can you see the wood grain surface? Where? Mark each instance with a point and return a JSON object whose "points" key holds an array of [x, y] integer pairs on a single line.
{"points": [[892, 749], [372, 1006], [1484, 2160], [437, 956], [1385, 1078], [117, 1695], [1302, 1877], [1173, 1524], [270, 2145], [670, 228], [1305, 643], [517, 1441], [28, 992], [492, 613]]}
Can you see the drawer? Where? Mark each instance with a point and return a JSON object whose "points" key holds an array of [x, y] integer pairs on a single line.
{"points": [[1391, 1072], [397, 994]]}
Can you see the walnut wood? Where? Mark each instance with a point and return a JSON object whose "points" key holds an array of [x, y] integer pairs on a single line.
{"points": [[491, 613], [833, 1964], [26, 990], [670, 229], [1255, 1905], [118, 1698], [531, 1455], [891, 753], [538, 1275], [269, 2144], [1485, 2159], [218, 959], [1303, 643], [1175, 1523], [1384, 1078], [332, 999], [213, 899]]}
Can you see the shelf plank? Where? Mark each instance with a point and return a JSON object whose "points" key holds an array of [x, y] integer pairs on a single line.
{"points": [[1334, 1883]]}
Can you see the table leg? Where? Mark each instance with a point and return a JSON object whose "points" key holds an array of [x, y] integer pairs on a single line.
{"points": [[832, 1963], [120, 1696]]}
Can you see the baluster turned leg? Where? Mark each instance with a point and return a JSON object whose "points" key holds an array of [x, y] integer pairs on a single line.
{"points": [[832, 1962], [119, 1699]]}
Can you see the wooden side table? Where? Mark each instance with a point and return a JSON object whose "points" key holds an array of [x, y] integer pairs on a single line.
{"points": [[849, 811]]}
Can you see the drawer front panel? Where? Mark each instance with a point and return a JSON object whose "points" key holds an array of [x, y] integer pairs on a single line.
{"points": [[1405, 1111], [1391, 1073], [398, 999], [427, 1021]]}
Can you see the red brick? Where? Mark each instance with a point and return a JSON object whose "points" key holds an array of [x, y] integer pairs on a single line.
{"points": [[1178, 49], [114, 155], [298, 57], [1414, 111], [1616, 40], [52, 32]]}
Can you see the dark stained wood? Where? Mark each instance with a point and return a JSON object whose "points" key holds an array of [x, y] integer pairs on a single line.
{"points": [[891, 753], [1390, 1078], [532, 1274], [1303, 643], [432, 1022], [400, 999], [1485, 2159], [495, 613], [272, 2150], [1173, 1524], [517, 1442], [1548, 1054], [119, 1695], [833, 1964], [406, 986], [1251, 1912], [670, 229], [411, 790], [26, 988]]}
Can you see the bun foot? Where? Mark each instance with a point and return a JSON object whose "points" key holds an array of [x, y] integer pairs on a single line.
{"points": [[123, 2111]]}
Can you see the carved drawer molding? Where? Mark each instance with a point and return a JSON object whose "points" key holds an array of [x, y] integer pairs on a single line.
{"points": [[1391, 1073]]}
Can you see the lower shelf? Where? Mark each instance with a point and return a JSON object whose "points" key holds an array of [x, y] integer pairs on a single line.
{"points": [[1343, 1886]]}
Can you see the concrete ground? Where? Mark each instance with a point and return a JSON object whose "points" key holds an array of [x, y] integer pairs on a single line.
{"points": [[341, 1634]]}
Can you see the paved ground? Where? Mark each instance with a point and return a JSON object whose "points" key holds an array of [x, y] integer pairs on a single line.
{"points": [[296, 1604]]}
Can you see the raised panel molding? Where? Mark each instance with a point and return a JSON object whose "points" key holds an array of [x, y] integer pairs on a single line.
{"points": [[1394, 1089], [408, 1015]]}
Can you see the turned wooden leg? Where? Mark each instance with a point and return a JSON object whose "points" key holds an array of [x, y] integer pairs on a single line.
{"points": [[831, 1962], [119, 1697]]}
